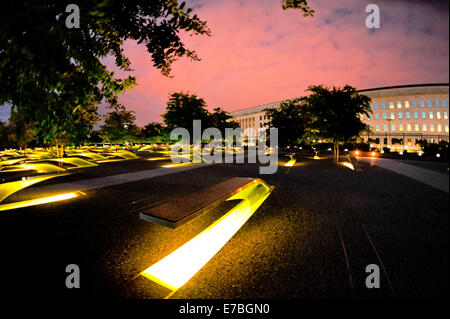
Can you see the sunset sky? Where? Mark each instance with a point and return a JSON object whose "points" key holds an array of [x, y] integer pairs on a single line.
{"points": [[259, 53]]}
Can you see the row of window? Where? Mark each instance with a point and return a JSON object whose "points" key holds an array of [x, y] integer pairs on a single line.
{"points": [[406, 104], [399, 115], [409, 128]]}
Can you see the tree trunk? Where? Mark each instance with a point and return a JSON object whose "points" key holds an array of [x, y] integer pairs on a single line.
{"points": [[336, 151]]}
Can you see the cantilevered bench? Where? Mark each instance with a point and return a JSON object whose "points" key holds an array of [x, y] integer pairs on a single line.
{"points": [[354, 162], [177, 212]]}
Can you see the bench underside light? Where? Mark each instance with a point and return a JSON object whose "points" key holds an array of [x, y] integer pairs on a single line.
{"points": [[174, 270], [38, 201]]}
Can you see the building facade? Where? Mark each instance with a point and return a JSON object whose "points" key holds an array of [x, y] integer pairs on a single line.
{"points": [[402, 115]]}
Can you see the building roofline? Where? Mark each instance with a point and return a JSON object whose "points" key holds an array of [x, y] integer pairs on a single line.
{"points": [[404, 86], [364, 90]]}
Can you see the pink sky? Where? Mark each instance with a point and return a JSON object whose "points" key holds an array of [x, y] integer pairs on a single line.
{"points": [[258, 53]]}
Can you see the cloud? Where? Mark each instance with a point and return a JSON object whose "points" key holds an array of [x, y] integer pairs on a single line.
{"points": [[259, 53]]}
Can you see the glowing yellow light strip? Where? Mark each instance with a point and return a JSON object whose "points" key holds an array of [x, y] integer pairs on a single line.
{"points": [[349, 165], [176, 165], [316, 157], [176, 269], [37, 201], [290, 163], [158, 158], [9, 188]]}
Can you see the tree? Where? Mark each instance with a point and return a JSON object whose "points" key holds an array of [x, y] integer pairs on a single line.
{"points": [[54, 75], [4, 135], [21, 132], [119, 127], [221, 120], [336, 113], [291, 119], [152, 130], [182, 109], [301, 5]]}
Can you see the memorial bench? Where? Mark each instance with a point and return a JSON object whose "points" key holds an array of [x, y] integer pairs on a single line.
{"points": [[183, 209], [354, 162]]}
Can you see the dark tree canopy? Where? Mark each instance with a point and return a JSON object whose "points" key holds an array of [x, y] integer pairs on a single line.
{"points": [[291, 119], [119, 127], [152, 129], [54, 75], [183, 108], [301, 5], [336, 113], [221, 120]]}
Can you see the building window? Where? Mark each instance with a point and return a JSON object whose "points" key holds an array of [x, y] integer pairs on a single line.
{"points": [[444, 103], [446, 128], [445, 116], [406, 104], [408, 115], [422, 103], [430, 103], [400, 127], [399, 105], [391, 105], [375, 106], [414, 103], [385, 128], [431, 116], [438, 115], [392, 127], [432, 127], [408, 127], [392, 116], [416, 127], [437, 103], [439, 128], [377, 128], [377, 116], [424, 115], [260, 118], [424, 127], [416, 115], [384, 116], [383, 105], [400, 115]]}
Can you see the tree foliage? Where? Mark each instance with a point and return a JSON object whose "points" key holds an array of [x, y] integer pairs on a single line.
{"points": [[301, 5], [291, 120], [221, 120], [183, 108], [336, 113], [119, 127], [56, 76]]}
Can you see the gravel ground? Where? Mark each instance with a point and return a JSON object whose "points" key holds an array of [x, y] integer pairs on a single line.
{"points": [[292, 247]]}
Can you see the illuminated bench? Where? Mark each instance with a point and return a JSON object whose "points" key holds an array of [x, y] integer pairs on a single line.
{"points": [[122, 154], [183, 209], [40, 168], [75, 161], [177, 268], [354, 162]]}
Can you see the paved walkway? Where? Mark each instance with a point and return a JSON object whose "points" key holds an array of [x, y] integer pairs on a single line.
{"points": [[432, 178]]}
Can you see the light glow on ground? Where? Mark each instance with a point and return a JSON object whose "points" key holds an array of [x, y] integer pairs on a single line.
{"points": [[180, 266]]}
